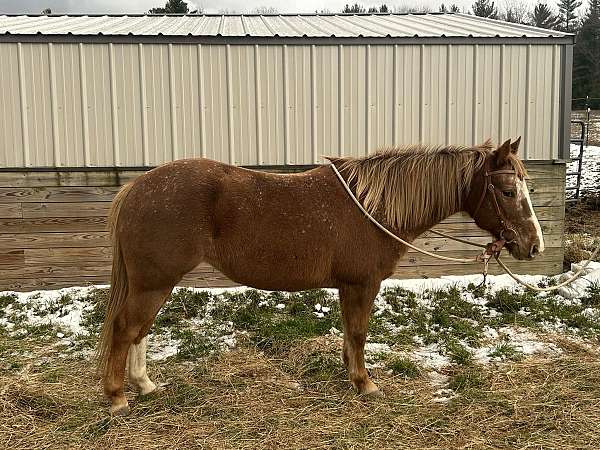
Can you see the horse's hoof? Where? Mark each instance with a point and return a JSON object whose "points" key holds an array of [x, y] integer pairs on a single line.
{"points": [[371, 390], [375, 394], [148, 388], [119, 409]]}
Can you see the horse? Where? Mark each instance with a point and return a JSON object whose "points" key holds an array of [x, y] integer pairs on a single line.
{"points": [[293, 232]]}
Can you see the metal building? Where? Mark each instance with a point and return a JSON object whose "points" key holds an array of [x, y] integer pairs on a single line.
{"points": [[135, 91], [90, 102]]}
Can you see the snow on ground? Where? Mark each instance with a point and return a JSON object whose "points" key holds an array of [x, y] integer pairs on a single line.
{"points": [[590, 174], [65, 313]]}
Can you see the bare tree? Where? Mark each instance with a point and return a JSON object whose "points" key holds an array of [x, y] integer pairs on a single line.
{"points": [[411, 8], [515, 11], [453, 8], [354, 9], [381, 9]]}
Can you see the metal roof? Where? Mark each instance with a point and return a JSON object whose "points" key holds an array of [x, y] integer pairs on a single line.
{"points": [[431, 25]]}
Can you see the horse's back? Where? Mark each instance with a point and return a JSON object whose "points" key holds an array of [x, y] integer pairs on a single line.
{"points": [[246, 223]]}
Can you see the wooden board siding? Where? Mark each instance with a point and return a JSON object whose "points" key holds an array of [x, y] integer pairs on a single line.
{"points": [[53, 231]]}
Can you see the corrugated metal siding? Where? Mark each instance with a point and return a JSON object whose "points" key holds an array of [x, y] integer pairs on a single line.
{"points": [[278, 25], [90, 105]]}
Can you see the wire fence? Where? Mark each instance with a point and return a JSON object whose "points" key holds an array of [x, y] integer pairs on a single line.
{"points": [[584, 169], [585, 103]]}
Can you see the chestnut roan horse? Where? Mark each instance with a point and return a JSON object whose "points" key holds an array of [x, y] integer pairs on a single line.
{"points": [[295, 231]]}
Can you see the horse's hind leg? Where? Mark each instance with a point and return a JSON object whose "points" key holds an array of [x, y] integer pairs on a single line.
{"points": [[136, 367], [356, 303], [129, 328]]}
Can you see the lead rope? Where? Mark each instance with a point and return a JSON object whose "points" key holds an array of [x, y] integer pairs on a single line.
{"points": [[477, 258], [551, 288], [484, 257]]}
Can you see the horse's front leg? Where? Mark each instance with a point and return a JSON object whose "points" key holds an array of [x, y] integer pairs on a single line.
{"points": [[356, 303]]}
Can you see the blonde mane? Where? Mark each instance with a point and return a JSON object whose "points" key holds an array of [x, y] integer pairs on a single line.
{"points": [[416, 185]]}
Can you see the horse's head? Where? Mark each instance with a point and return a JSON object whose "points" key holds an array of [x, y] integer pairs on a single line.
{"points": [[499, 202]]}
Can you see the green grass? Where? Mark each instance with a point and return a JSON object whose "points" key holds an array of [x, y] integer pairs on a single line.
{"points": [[467, 379], [592, 295], [193, 345], [285, 356], [505, 351], [323, 366], [5, 302], [182, 304], [510, 303], [93, 317], [273, 329], [403, 367], [458, 354]]}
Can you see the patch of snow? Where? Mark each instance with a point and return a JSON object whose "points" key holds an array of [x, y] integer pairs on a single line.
{"points": [[577, 288], [228, 341], [443, 395], [590, 171], [162, 346], [490, 332], [430, 357], [67, 318], [590, 313], [334, 331], [437, 378], [524, 341], [374, 348]]}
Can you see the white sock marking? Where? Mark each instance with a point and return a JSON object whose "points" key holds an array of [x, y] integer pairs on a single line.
{"points": [[136, 363]]}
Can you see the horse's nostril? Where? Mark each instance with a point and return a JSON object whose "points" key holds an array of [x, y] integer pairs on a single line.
{"points": [[534, 250]]}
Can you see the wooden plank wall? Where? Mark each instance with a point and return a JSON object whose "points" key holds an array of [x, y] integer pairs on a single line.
{"points": [[53, 231]]}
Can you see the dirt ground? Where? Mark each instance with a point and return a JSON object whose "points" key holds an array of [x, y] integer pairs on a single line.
{"points": [[582, 229], [584, 217]]}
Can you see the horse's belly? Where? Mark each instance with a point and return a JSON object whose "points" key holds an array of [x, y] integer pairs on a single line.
{"points": [[279, 272]]}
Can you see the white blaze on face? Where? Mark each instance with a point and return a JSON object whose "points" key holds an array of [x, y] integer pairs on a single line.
{"points": [[523, 192]]}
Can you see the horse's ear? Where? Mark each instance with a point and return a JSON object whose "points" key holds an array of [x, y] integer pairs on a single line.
{"points": [[501, 153], [514, 147]]}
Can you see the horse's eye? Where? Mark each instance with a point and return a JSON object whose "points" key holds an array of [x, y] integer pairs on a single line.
{"points": [[508, 193]]}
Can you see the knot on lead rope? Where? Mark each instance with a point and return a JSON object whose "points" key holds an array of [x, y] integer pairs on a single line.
{"points": [[491, 249]]}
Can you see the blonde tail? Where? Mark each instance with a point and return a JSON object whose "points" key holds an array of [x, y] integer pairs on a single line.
{"points": [[118, 285]]}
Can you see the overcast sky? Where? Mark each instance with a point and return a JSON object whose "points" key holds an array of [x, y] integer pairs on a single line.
{"points": [[212, 6]]}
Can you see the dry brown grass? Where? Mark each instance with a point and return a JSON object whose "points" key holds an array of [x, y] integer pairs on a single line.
{"points": [[246, 399], [582, 228]]}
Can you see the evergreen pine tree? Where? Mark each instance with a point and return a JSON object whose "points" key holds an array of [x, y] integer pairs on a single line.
{"points": [[543, 17], [172, 7], [568, 18], [485, 8], [586, 54]]}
